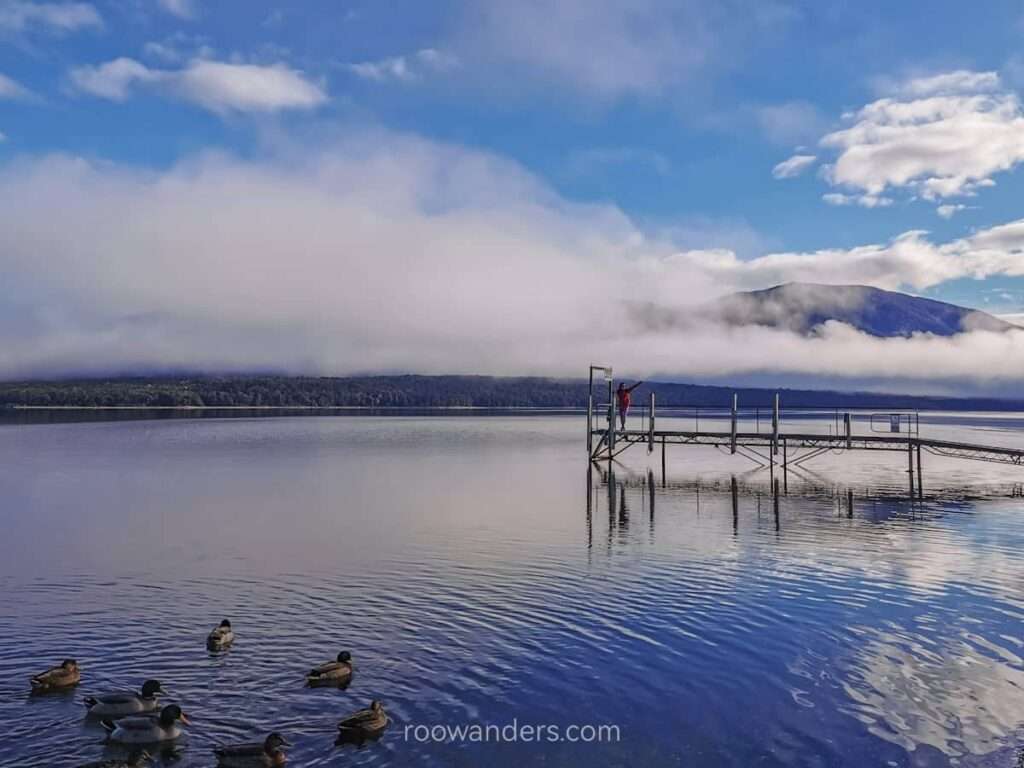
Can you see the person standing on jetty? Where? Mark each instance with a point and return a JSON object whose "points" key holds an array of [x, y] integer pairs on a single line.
{"points": [[622, 394]]}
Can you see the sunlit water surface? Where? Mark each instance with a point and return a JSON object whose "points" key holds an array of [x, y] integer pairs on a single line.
{"points": [[478, 574]]}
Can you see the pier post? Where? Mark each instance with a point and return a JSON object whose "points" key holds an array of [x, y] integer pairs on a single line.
{"points": [[735, 406], [785, 466], [735, 505], [590, 422], [775, 488], [663, 462], [611, 413], [650, 490], [920, 477], [775, 424], [910, 464], [590, 487], [849, 430], [650, 428]]}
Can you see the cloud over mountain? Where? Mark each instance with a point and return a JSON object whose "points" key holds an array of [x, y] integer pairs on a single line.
{"points": [[385, 252]]}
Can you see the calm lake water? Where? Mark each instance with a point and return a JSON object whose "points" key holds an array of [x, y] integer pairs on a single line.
{"points": [[480, 575]]}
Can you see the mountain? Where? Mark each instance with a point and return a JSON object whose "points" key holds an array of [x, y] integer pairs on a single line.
{"points": [[802, 307]]}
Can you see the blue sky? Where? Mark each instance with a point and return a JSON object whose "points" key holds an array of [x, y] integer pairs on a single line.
{"points": [[665, 121]]}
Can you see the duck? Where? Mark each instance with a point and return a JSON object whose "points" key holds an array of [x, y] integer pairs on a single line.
{"points": [[148, 728], [122, 704], [220, 637], [365, 724], [338, 672], [138, 761], [64, 675], [268, 752]]}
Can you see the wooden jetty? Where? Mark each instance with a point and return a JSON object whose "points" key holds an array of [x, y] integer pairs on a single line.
{"points": [[852, 430]]}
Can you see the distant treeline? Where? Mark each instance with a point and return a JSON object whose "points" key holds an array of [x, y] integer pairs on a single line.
{"points": [[428, 392]]}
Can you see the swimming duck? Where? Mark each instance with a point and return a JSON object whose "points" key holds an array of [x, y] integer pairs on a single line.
{"points": [[121, 704], [337, 672], [64, 675], [139, 760], [364, 724], [268, 752], [220, 637], [148, 728]]}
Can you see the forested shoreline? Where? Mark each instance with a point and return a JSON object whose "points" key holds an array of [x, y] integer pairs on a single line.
{"points": [[414, 391]]}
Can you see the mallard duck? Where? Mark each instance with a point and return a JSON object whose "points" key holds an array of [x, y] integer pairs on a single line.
{"points": [[220, 637], [337, 672], [364, 724], [122, 704], [148, 728], [139, 760], [65, 675], [268, 752]]}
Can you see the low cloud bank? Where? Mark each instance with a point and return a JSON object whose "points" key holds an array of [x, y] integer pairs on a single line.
{"points": [[388, 253]]}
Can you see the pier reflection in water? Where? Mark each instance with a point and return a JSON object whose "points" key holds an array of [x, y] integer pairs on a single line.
{"points": [[902, 613]]}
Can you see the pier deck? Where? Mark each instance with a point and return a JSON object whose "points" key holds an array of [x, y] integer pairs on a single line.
{"points": [[812, 444]]}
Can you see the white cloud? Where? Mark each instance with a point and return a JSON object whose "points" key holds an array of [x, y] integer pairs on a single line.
{"points": [[161, 51], [947, 210], [113, 80], [23, 15], [11, 89], [177, 48], [383, 252], [907, 260], [405, 68], [793, 122], [864, 201], [222, 87], [219, 87], [183, 9], [937, 137], [961, 81], [794, 166]]}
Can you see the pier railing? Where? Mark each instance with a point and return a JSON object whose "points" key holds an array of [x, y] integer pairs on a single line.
{"points": [[832, 421]]}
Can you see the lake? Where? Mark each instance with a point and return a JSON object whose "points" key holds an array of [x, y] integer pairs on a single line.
{"points": [[480, 573]]}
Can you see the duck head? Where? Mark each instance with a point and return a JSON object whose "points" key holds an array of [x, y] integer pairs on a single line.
{"points": [[376, 706], [225, 624], [151, 688], [69, 664], [274, 742], [172, 713], [344, 657]]}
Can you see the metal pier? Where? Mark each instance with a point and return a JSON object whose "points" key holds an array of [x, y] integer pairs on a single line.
{"points": [[768, 445]]}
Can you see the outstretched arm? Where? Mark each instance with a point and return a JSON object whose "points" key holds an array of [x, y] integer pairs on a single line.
{"points": [[634, 386]]}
